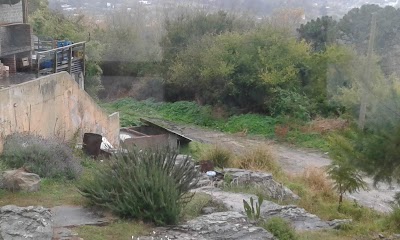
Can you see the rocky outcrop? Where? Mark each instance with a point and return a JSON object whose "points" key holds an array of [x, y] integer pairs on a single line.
{"points": [[260, 180], [28, 223], [299, 218], [263, 180], [220, 225], [19, 180]]}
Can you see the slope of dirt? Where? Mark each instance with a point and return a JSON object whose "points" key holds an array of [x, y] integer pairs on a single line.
{"points": [[292, 160]]}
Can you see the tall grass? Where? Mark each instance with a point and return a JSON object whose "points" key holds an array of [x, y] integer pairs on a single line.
{"points": [[220, 156], [260, 158]]}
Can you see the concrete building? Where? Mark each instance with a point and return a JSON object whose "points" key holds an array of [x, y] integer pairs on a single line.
{"points": [[15, 35]]}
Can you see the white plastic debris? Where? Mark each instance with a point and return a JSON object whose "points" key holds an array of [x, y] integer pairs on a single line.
{"points": [[105, 144], [211, 173]]}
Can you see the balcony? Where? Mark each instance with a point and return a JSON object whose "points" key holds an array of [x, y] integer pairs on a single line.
{"points": [[15, 38]]}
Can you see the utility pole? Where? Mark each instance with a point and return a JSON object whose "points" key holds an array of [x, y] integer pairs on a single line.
{"points": [[367, 76]]}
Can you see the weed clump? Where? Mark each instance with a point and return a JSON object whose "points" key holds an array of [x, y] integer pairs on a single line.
{"points": [[316, 179], [218, 155], [393, 220], [49, 158], [146, 184], [280, 228], [261, 158]]}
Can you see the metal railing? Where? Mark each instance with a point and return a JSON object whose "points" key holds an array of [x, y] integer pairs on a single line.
{"points": [[70, 58]]}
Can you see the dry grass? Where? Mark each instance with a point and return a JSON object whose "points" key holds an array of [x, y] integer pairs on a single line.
{"points": [[119, 230], [281, 131], [220, 156], [317, 181], [261, 158], [316, 193], [325, 125]]}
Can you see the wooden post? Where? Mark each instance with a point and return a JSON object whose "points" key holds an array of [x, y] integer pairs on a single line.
{"points": [[38, 64], [70, 60], [84, 60], [55, 62]]}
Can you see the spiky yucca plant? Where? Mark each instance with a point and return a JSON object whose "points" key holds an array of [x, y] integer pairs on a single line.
{"points": [[143, 184]]}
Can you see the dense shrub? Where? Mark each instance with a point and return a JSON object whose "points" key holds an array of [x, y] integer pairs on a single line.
{"points": [[48, 158], [292, 104], [280, 229], [145, 184]]}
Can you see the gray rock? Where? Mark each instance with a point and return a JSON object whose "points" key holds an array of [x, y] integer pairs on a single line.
{"points": [[17, 223], [215, 226], [70, 216], [209, 210], [19, 180], [337, 223], [262, 180], [299, 218], [396, 236]]}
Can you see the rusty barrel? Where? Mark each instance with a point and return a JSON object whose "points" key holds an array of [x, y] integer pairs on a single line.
{"points": [[91, 144]]}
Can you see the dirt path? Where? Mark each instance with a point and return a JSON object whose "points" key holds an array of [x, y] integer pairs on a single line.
{"points": [[292, 161]]}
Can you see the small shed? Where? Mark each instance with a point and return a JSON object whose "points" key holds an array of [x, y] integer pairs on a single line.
{"points": [[152, 135]]}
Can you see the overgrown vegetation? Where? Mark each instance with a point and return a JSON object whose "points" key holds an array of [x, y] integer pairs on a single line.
{"points": [[49, 158], [245, 124], [280, 228], [144, 185]]}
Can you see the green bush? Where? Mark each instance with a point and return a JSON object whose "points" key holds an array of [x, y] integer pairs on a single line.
{"points": [[280, 229], [292, 104], [49, 158], [146, 184]]}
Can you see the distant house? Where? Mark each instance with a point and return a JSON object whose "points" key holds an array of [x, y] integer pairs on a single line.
{"points": [[15, 35]]}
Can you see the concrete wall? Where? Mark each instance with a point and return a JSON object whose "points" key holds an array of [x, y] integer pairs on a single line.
{"points": [[54, 105], [11, 13], [15, 38]]}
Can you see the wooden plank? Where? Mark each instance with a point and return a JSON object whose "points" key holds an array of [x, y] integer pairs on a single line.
{"points": [[69, 60]]}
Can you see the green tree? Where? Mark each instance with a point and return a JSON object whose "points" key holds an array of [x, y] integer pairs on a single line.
{"points": [[346, 178], [182, 31], [380, 154], [35, 5], [320, 33], [241, 70], [354, 29]]}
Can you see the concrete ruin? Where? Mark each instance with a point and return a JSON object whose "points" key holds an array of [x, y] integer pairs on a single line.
{"points": [[152, 135], [54, 105]]}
